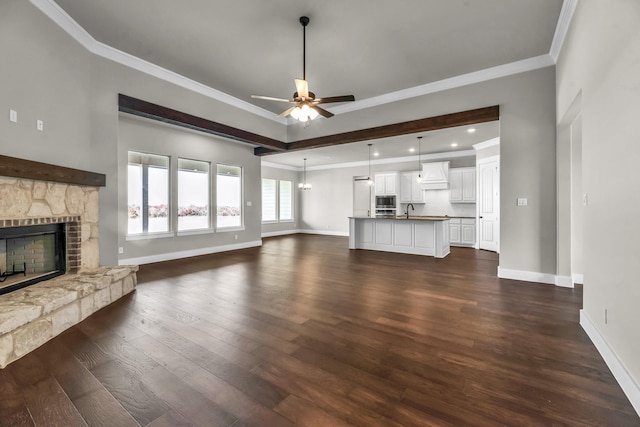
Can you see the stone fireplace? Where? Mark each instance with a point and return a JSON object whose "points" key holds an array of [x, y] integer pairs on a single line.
{"points": [[49, 230]]}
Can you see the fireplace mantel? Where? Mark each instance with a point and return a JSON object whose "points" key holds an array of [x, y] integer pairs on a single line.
{"points": [[21, 168]]}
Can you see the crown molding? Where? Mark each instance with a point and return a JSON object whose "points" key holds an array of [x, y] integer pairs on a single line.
{"points": [[64, 21], [279, 166], [406, 159], [564, 21], [450, 83], [486, 144], [71, 27]]}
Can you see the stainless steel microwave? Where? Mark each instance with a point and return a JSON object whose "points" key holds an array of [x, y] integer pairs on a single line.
{"points": [[385, 202]]}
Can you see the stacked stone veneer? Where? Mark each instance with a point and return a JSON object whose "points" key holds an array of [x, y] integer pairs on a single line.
{"points": [[32, 316], [28, 202]]}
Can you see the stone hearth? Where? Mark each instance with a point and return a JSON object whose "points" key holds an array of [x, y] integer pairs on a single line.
{"points": [[31, 316]]}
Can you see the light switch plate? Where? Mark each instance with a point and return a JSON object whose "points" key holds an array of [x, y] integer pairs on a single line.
{"points": [[522, 201], [13, 116], [40, 125]]}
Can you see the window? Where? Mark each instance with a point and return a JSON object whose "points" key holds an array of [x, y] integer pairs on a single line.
{"points": [[277, 200], [148, 193], [269, 207], [229, 196], [193, 195], [286, 201]]}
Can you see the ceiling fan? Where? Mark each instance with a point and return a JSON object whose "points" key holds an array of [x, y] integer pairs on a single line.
{"points": [[306, 104]]}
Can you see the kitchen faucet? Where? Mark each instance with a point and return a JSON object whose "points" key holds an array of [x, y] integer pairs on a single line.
{"points": [[412, 208]]}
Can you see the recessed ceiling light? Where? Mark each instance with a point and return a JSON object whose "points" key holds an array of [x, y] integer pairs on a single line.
{"points": [[471, 130], [376, 154], [454, 144], [411, 150]]}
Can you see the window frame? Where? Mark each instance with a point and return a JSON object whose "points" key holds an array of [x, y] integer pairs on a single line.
{"points": [[278, 219], [240, 227], [145, 234], [192, 231]]}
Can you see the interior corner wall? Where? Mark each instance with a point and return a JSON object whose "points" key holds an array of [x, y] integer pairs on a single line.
{"points": [[294, 177], [601, 59]]}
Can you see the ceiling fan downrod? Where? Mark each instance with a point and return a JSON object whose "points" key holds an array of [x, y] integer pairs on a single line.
{"points": [[304, 20]]}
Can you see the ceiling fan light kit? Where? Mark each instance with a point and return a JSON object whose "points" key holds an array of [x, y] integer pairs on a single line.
{"points": [[306, 104]]}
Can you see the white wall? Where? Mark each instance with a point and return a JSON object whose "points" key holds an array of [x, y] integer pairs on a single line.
{"points": [[601, 59]]}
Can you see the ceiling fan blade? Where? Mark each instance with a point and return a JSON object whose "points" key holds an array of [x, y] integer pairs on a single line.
{"points": [[322, 111], [286, 112], [271, 98], [302, 88], [343, 98]]}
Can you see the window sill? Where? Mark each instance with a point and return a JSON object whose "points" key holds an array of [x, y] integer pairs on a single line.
{"points": [[130, 237], [275, 221], [195, 232], [284, 221], [223, 229]]}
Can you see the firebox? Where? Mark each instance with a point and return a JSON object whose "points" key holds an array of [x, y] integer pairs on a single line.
{"points": [[30, 254]]}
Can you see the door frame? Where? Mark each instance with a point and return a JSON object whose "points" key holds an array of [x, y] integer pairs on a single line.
{"points": [[480, 162]]}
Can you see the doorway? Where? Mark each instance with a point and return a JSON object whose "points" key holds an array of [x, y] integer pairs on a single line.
{"points": [[361, 197]]}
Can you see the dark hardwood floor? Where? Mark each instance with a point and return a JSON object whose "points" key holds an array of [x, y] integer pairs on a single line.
{"points": [[305, 332]]}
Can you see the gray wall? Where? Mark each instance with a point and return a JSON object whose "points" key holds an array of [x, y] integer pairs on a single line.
{"points": [[44, 75], [147, 136], [295, 177], [88, 130], [527, 156], [599, 62]]}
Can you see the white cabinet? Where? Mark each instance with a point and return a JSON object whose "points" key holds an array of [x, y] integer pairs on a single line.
{"points": [[386, 183], [410, 188], [462, 231], [462, 185]]}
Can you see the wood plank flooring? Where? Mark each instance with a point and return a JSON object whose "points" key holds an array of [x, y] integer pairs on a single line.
{"points": [[304, 332]]}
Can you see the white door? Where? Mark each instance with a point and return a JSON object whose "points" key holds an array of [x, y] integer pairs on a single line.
{"points": [[361, 197], [489, 204]]}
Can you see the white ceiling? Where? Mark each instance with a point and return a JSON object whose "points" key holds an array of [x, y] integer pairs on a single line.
{"points": [[367, 48]]}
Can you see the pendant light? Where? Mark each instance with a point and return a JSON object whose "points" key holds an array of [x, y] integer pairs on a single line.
{"points": [[304, 185], [419, 165], [369, 179]]}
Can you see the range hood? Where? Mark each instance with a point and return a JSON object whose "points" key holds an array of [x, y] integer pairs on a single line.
{"points": [[435, 176]]}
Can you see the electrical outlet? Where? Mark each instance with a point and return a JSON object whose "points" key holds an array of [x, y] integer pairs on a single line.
{"points": [[40, 125], [120, 250], [522, 202], [236, 237], [13, 116]]}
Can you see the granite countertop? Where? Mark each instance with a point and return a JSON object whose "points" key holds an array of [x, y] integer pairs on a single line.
{"points": [[423, 218]]}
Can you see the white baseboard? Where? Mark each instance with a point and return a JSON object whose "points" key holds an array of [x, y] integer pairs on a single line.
{"points": [[527, 276], [533, 276], [625, 380], [326, 232], [564, 281], [186, 254], [279, 233], [578, 278]]}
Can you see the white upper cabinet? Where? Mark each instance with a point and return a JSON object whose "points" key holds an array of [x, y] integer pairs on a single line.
{"points": [[462, 183], [386, 183], [410, 188]]}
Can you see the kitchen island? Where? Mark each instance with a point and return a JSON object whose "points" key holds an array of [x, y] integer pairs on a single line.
{"points": [[418, 235]]}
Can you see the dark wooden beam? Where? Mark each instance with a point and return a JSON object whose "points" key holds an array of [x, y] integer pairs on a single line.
{"points": [[21, 168], [146, 109], [470, 117]]}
